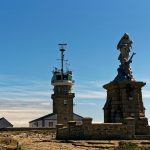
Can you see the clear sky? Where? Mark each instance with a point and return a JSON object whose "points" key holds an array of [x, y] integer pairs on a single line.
{"points": [[30, 31]]}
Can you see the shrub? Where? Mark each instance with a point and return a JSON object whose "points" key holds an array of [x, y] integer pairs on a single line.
{"points": [[127, 146]]}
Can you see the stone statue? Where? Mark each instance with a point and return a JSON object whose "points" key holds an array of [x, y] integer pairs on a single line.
{"points": [[124, 70], [124, 46]]}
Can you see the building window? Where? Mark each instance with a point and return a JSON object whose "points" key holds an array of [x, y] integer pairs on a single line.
{"points": [[65, 118], [65, 77], [36, 124], [132, 115], [130, 98], [65, 102], [43, 123], [58, 89], [58, 77], [65, 89], [50, 124]]}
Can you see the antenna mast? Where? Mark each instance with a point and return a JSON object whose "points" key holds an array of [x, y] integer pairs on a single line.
{"points": [[62, 49]]}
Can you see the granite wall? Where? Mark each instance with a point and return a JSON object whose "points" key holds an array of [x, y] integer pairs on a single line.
{"points": [[97, 131]]}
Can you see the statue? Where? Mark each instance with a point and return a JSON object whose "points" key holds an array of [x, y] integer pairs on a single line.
{"points": [[124, 70], [124, 46]]}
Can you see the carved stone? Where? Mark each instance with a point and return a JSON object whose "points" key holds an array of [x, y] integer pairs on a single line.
{"points": [[124, 99], [124, 70]]}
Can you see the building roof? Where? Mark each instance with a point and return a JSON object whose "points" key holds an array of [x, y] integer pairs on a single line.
{"points": [[78, 115], [49, 115], [6, 120], [42, 117]]}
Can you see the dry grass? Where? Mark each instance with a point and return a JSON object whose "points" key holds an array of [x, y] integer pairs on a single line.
{"points": [[45, 140], [8, 143]]}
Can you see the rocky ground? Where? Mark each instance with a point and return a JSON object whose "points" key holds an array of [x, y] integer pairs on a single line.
{"points": [[45, 140]]}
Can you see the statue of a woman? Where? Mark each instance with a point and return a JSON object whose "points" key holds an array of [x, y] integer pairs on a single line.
{"points": [[124, 70], [124, 46]]}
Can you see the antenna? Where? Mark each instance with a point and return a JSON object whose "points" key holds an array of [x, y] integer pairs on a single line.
{"points": [[67, 65], [62, 49]]}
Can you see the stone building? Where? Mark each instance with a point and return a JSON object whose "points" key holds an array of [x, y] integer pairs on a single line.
{"points": [[5, 123], [62, 99], [124, 112]]}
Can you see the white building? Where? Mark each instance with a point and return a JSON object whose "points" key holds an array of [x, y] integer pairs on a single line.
{"points": [[50, 121]]}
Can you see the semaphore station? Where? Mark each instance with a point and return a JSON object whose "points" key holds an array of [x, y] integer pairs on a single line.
{"points": [[62, 97]]}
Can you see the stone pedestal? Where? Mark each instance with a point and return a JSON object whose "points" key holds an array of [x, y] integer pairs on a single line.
{"points": [[124, 99]]}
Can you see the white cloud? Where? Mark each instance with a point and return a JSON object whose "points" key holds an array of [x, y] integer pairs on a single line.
{"points": [[87, 94], [87, 103], [146, 94], [24, 101], [90, 90], [19, 117]]}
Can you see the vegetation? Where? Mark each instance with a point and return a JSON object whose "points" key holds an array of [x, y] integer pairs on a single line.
{"points": [[130, 146], [8, 143]]}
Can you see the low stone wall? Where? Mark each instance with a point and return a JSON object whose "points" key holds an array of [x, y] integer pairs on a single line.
{"points": [[142, 130], [100, 131], [25, 129]]}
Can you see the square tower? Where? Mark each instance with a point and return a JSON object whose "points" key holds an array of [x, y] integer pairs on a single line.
{"points": [[62, 96]]}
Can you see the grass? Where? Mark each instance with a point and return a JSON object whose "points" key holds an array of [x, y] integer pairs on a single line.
{"points": [[130, 146]]}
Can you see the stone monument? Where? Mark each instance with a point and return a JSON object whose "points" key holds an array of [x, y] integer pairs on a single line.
{"points": [[124, 113], [124, 95]]}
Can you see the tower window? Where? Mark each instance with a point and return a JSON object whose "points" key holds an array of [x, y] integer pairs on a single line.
{"points": [[130, 98], [132, 115], [65, 89], [58, 89], [65, 118], [65, 77], [58, 77], [65, 102]]}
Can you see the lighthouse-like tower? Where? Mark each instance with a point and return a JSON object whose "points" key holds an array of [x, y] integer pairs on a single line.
{"points": [[62, 96]]}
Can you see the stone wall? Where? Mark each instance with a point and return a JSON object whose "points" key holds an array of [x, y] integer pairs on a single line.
{"points": [[97, 131]]}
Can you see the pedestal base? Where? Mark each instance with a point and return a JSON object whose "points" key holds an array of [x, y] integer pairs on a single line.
{"points": [[124, 99]]}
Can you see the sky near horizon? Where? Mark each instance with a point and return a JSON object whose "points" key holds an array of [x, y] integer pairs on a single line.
{"points": [[30, 31]]}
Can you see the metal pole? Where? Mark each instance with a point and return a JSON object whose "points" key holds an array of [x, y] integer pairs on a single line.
{"points": [[62, 63], [62, 59]]}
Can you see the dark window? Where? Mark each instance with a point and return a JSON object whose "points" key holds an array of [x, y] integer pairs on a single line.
{"points": [[65, 102], [58, 89], [65, 77], [58, 77], [36, 124], [50, 124], [43, 123], [65, 118]]}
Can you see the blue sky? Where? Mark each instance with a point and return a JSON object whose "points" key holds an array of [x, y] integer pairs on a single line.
{"points": [[30, 31]]}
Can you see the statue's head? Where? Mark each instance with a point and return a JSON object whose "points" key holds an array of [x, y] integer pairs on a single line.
{"points": [[126, 36]]}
